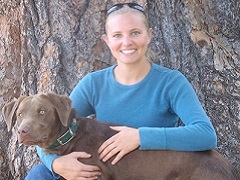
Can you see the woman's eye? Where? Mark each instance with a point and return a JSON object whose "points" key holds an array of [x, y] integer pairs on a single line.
{"points": [[117, 36], [41, 112], [135, 33]]}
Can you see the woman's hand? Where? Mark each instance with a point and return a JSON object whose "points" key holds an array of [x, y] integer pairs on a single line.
{"points": [[125, 141], [70, 168]]}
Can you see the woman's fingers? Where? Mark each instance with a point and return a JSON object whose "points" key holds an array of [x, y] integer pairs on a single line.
{"points": [[109, 152], [70, 167], [89, 174], [106, 145], [125, 141], [118, 157]]}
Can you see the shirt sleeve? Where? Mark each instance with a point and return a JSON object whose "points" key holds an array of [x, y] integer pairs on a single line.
{"points": [[81, 97], [47, 160], [197, 134]]}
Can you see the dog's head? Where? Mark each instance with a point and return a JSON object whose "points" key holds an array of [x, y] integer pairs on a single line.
{"points": [[39, 117]]}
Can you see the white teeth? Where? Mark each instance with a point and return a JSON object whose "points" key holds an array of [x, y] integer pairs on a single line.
{"points": [[127, 51]]}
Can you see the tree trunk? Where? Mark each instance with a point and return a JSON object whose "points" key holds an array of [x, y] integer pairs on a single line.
{"points": [[48, 45]]}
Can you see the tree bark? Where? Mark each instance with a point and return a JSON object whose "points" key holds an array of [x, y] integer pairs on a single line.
{"points": [[48, 45], [202, 39]]}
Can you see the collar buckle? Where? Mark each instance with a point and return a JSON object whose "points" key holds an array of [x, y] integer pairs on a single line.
{"points": [[66, 137], [61, 138]]}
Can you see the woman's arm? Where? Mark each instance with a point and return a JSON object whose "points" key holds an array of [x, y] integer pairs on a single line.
{"points": [[47, 160], [197, 134]]}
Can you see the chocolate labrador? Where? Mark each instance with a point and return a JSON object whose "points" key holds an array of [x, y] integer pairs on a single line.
{"points": [[47, 120]]}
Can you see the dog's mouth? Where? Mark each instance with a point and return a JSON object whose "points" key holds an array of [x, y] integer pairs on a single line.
{"points": [[28, 141]]}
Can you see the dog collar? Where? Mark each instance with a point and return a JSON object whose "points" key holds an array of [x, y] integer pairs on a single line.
{"points": [[66, 137]]}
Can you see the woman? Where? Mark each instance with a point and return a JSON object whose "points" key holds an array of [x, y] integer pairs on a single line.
{"points": [[145, 98]]}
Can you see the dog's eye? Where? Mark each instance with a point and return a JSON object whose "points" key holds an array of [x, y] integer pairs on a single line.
{"points": [[20, 114], [41, 112]]}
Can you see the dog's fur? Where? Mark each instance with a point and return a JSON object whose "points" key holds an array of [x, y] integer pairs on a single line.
{"points": [[42, 118]]}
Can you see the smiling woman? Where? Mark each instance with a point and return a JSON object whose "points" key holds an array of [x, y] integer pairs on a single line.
{"points": [[147, 99], [128, 36]]}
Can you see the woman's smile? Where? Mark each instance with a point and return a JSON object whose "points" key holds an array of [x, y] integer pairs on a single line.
{"points": [[131, 51]]}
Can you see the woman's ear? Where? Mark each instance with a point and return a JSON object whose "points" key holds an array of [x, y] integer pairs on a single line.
{"points": [[105, 38], [150, 31]]}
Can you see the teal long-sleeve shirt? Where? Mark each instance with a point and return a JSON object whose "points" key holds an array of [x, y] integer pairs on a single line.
{"points": [[152, 105]]}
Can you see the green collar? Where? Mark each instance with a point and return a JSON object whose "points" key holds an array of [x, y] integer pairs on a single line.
{"points": [[66, 137]]}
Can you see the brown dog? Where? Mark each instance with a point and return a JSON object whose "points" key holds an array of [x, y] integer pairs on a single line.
{"points": [[44, 118]]}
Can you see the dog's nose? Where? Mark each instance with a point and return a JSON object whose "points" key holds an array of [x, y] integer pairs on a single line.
{"points": [[23, 131]]}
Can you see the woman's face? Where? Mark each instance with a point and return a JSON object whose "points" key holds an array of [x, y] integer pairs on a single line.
{"points": [[127, 36]]}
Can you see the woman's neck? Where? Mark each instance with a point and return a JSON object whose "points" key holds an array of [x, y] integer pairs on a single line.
{"points": [[129, 74]]}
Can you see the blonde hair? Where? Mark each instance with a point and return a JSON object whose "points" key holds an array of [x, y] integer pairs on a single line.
{"points": [[126, 9]]}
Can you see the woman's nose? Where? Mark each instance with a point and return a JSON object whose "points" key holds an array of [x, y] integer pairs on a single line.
{"points": [[126, 40]]}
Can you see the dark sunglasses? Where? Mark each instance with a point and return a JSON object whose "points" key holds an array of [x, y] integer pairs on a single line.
{"points": [[120, 5]]}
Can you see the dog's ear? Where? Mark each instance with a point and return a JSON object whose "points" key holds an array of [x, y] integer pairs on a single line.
{"points": [[9, 112], [63, 105]]}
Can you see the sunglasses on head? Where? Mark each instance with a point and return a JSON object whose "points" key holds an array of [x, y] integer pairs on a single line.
{"points": [[120, 5]]}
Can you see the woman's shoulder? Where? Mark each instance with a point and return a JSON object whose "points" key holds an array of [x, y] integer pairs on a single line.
{"points": [[165, 71], [169, 76], [100, 73], [97, 77]]}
